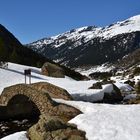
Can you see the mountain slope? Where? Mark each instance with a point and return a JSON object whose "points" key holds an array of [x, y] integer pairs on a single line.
{"points": [[12, 50], [132, 59], [91, 45]]}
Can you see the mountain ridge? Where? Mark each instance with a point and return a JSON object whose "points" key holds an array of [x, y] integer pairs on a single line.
{"points": [[12, 50], [78, 46]]}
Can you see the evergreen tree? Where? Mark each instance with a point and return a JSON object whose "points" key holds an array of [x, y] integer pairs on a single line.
{"points": [[3, 51], [14, 57]]}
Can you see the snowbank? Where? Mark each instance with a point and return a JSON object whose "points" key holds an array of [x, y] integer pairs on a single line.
{"points": [[107, 122], [16, 136]]}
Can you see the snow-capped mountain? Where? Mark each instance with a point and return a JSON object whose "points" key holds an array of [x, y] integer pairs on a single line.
{"points": [[91, 45]]}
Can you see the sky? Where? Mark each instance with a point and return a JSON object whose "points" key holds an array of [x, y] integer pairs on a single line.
{"points": [[31, 20]]}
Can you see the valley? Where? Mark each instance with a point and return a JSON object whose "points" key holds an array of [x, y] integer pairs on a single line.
{"points": [[85, 84]]}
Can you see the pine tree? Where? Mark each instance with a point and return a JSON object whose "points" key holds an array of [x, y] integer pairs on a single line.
{"points": [[3, 51], [14, 57]]}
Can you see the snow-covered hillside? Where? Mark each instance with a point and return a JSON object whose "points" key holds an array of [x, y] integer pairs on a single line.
{"points": [[99, 121], [91, 45], [89, 32], [98, 68]]}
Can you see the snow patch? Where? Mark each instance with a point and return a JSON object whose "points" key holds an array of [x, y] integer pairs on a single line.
{"points": [[16, 136]]}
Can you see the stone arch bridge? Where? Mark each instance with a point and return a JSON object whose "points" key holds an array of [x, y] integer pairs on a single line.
{"points": [[36, 98]]}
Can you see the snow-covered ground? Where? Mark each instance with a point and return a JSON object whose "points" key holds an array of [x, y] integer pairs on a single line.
{"points": [[78, 89], [98, 68], [16, 136], [99, 121], [107, 122]]}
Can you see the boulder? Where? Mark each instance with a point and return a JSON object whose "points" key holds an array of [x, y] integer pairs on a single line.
{"points": [[114, 96], [97, 85], [65, 112], [52, 70], [134, 101], [54, 128], [129, 82], [106, 81]]}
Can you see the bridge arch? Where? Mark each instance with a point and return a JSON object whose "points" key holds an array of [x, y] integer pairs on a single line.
{"points": [[19, 106], [41, 99]]}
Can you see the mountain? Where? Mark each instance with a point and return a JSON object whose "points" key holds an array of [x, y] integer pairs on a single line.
{"points": [[13, 51], [91, 45], [130, 60]]}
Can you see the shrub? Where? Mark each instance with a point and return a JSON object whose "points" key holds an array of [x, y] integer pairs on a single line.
{"points": [[100, 75], [138, 87], [136, 71]]}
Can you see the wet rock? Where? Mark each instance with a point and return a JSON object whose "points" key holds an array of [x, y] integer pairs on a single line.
{"points": [[113, 97]]}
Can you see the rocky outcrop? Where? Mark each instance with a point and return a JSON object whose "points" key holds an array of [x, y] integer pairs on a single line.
{"points": [[113, 97], [59, 71], [54, 128], [112, 93], [52, 90], [52, 70], [97, 85], [134, 101], [129, 82]]}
